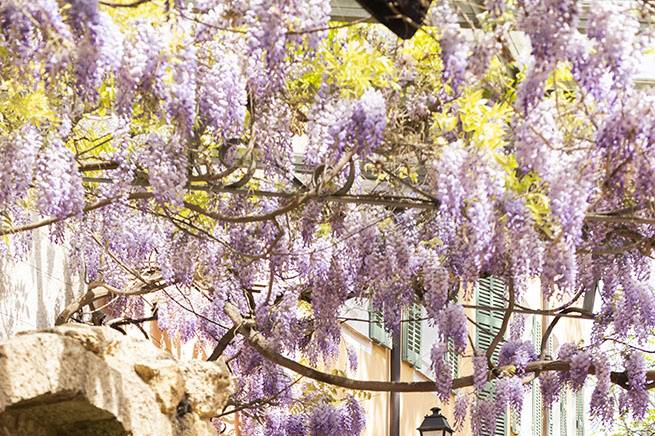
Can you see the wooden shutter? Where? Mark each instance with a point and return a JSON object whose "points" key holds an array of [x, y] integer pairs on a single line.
{"points": [[376, 329], [579, 413], [490, 292], [563, 427], [411, 336]]}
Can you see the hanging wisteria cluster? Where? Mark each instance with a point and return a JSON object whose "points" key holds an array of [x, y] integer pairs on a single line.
{"points": [[244, 154]]}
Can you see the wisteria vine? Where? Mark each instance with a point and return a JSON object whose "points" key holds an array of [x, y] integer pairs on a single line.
{"points": [[247, 151]]}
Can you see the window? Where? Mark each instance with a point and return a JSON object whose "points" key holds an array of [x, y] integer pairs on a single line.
{"points": [[411, 336], [490, 293], [376, 329]]}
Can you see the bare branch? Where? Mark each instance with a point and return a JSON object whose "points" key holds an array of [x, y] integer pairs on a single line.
{"points": [[98, 290], [134, 4], [503, 327], [223, 343], [260, 401], [93, 206], [549, 330]]}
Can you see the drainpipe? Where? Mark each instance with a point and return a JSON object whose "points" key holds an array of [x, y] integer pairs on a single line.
{"points": [[394, 421]]}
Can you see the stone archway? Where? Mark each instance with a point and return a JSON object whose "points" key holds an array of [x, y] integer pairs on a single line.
{"points": [[79, 380]]}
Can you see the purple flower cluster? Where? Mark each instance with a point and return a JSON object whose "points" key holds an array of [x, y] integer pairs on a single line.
{"points": [[480, 371], [449, 171], [550, 386], [518, 353], [142, 67], [435, 283], [442, 372], [368, 120], [551, 27], [601, 406], [99, 45], [483, 417], [167, 167], [454, 47], [59, 183], [461, 409], [580, 363], [452, 326], [340, 125], [327, 419], [267, 44], [509, 392], [608, 67], [181, 98], [222, 96], [18, 154], [25, 27], [636, 398]]}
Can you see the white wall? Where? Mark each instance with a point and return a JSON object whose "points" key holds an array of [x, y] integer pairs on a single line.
{"points": [[34, 291]]}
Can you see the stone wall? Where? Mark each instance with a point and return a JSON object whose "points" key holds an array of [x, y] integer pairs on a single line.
{"points": [[81, 380]]}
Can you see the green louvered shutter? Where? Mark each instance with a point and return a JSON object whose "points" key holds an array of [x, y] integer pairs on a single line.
{"points": [[563, 428], [537, 403], [549, 347], [537, 406], [411, 336], [453, 359], [549, 353], [490, 292], [376, 328], [579, 413]]}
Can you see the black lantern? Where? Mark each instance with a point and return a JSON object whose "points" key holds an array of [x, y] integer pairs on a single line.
{"points": [[402, 17], [435, 424]]}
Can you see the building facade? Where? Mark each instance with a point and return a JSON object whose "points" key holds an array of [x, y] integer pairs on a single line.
{"points": [[365, 336]]}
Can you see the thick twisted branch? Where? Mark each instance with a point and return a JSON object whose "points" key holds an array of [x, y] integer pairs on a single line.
{"points": [[262, 345], [98, 290]]}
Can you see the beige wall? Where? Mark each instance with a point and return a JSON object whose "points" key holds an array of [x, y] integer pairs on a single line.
{"points": [[374, 364]]}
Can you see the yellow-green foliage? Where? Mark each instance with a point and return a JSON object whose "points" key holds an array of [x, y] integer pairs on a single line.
{"points": [[348, 62], [126, 17], [20, 105]]}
